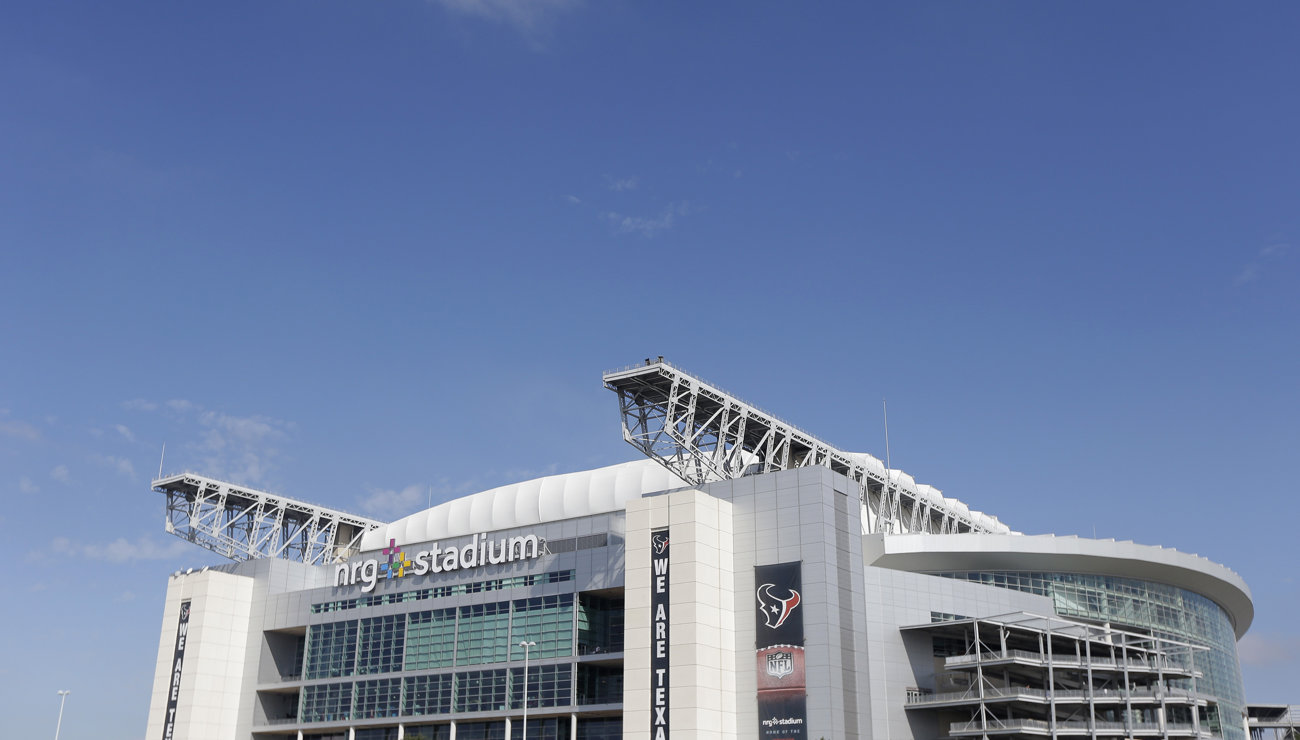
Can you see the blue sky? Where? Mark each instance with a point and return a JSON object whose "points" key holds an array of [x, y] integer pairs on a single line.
{"points": [[356, 251]]}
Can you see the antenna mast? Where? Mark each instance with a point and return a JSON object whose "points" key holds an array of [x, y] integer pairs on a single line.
{"points": [[885, 408]]}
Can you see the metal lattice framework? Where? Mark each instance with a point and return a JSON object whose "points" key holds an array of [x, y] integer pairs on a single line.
{"points": [[703, 434], [245, 524]]}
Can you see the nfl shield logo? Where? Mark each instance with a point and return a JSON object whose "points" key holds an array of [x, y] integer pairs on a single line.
{"points": [[780, 664]]}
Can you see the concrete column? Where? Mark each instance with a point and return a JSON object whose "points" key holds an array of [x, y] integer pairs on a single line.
{"points": [[701, 638]]}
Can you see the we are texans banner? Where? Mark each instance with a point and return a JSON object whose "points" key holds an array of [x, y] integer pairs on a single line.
{"points": [[659, 634]]}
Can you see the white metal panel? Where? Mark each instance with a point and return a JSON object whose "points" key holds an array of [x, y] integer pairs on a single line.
{"points": [[529, 502]]}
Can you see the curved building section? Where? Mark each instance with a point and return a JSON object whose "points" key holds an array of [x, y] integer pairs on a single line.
{"points": [[1150, 590], [528, 503]]}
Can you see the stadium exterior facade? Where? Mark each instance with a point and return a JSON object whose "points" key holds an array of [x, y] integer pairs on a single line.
{"points": [[640, 601]]}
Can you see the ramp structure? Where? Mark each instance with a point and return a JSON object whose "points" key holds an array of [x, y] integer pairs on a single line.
{"points": [[244, 524], [703, 434]]}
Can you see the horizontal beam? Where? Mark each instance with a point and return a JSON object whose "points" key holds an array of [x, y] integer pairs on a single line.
{"points": [[243, 523], [703, 434]]}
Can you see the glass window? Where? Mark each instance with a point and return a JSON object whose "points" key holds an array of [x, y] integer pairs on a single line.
{"points": [[380, 645], [431, 639], [541, 728], [331, 649], [428, 732], [548, 686], [600, 728], [381, 698], [599, 684], [480, 691], [1162, 610], [428, 694], [484, 633], [545, 620], [482, 730], [327, 703], [600, 625]]}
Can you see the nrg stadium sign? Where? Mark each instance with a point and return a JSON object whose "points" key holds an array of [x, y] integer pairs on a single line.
{"points": [[437, 559]]}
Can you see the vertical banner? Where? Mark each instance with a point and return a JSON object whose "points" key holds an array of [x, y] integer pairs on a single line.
{"points": [[659, 634], [778, 622], [174, 691]]}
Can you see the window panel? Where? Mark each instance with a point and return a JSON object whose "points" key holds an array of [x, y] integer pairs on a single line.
{"points": [[331, 649], [431, 639], [327, 702]]}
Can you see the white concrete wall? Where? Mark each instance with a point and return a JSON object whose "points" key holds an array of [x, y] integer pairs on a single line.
{"points": [[212, 675], [702, 656]]}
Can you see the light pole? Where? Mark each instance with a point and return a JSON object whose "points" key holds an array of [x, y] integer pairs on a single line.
{"points": [[525, 645], [63, 698]]}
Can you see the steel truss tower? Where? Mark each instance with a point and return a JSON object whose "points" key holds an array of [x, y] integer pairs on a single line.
{"points": [[704, 434], [245, 524]]}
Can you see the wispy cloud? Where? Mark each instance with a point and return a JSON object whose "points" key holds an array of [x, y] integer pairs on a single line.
{"points": [[120, 464], [123, 430], [575, 200], [620, 184], [393, 504], [60, 473], [1253, 269], [19, 430], [1256, 649], [238, 448], [529, 17], [26, 485], [390, 504], [121, 550], [241, 447], [648, 226]]}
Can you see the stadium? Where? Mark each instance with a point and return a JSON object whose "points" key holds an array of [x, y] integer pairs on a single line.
{"points": [[745, 579]]}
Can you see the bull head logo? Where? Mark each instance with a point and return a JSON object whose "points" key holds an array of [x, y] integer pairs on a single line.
{"points": [[775, 610], [660, 543]]}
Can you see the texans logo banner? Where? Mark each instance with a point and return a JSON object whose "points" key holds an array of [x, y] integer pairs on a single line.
{"points": [[779, 658]]}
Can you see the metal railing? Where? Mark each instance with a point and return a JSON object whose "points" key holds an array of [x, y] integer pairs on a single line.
{"points": [[1064, 660]]}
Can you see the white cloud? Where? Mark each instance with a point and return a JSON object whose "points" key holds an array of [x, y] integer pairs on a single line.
{"points": [[122, 550], [120, 464], [575, 200], [648, 227], [620, 184], [19, 430], [240, 447], [527, 16], [139, 404], [60, 473], [1255, 268], [390, 504], [1257, 649], [236, 448], [26, 485], [1248, 273]]}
